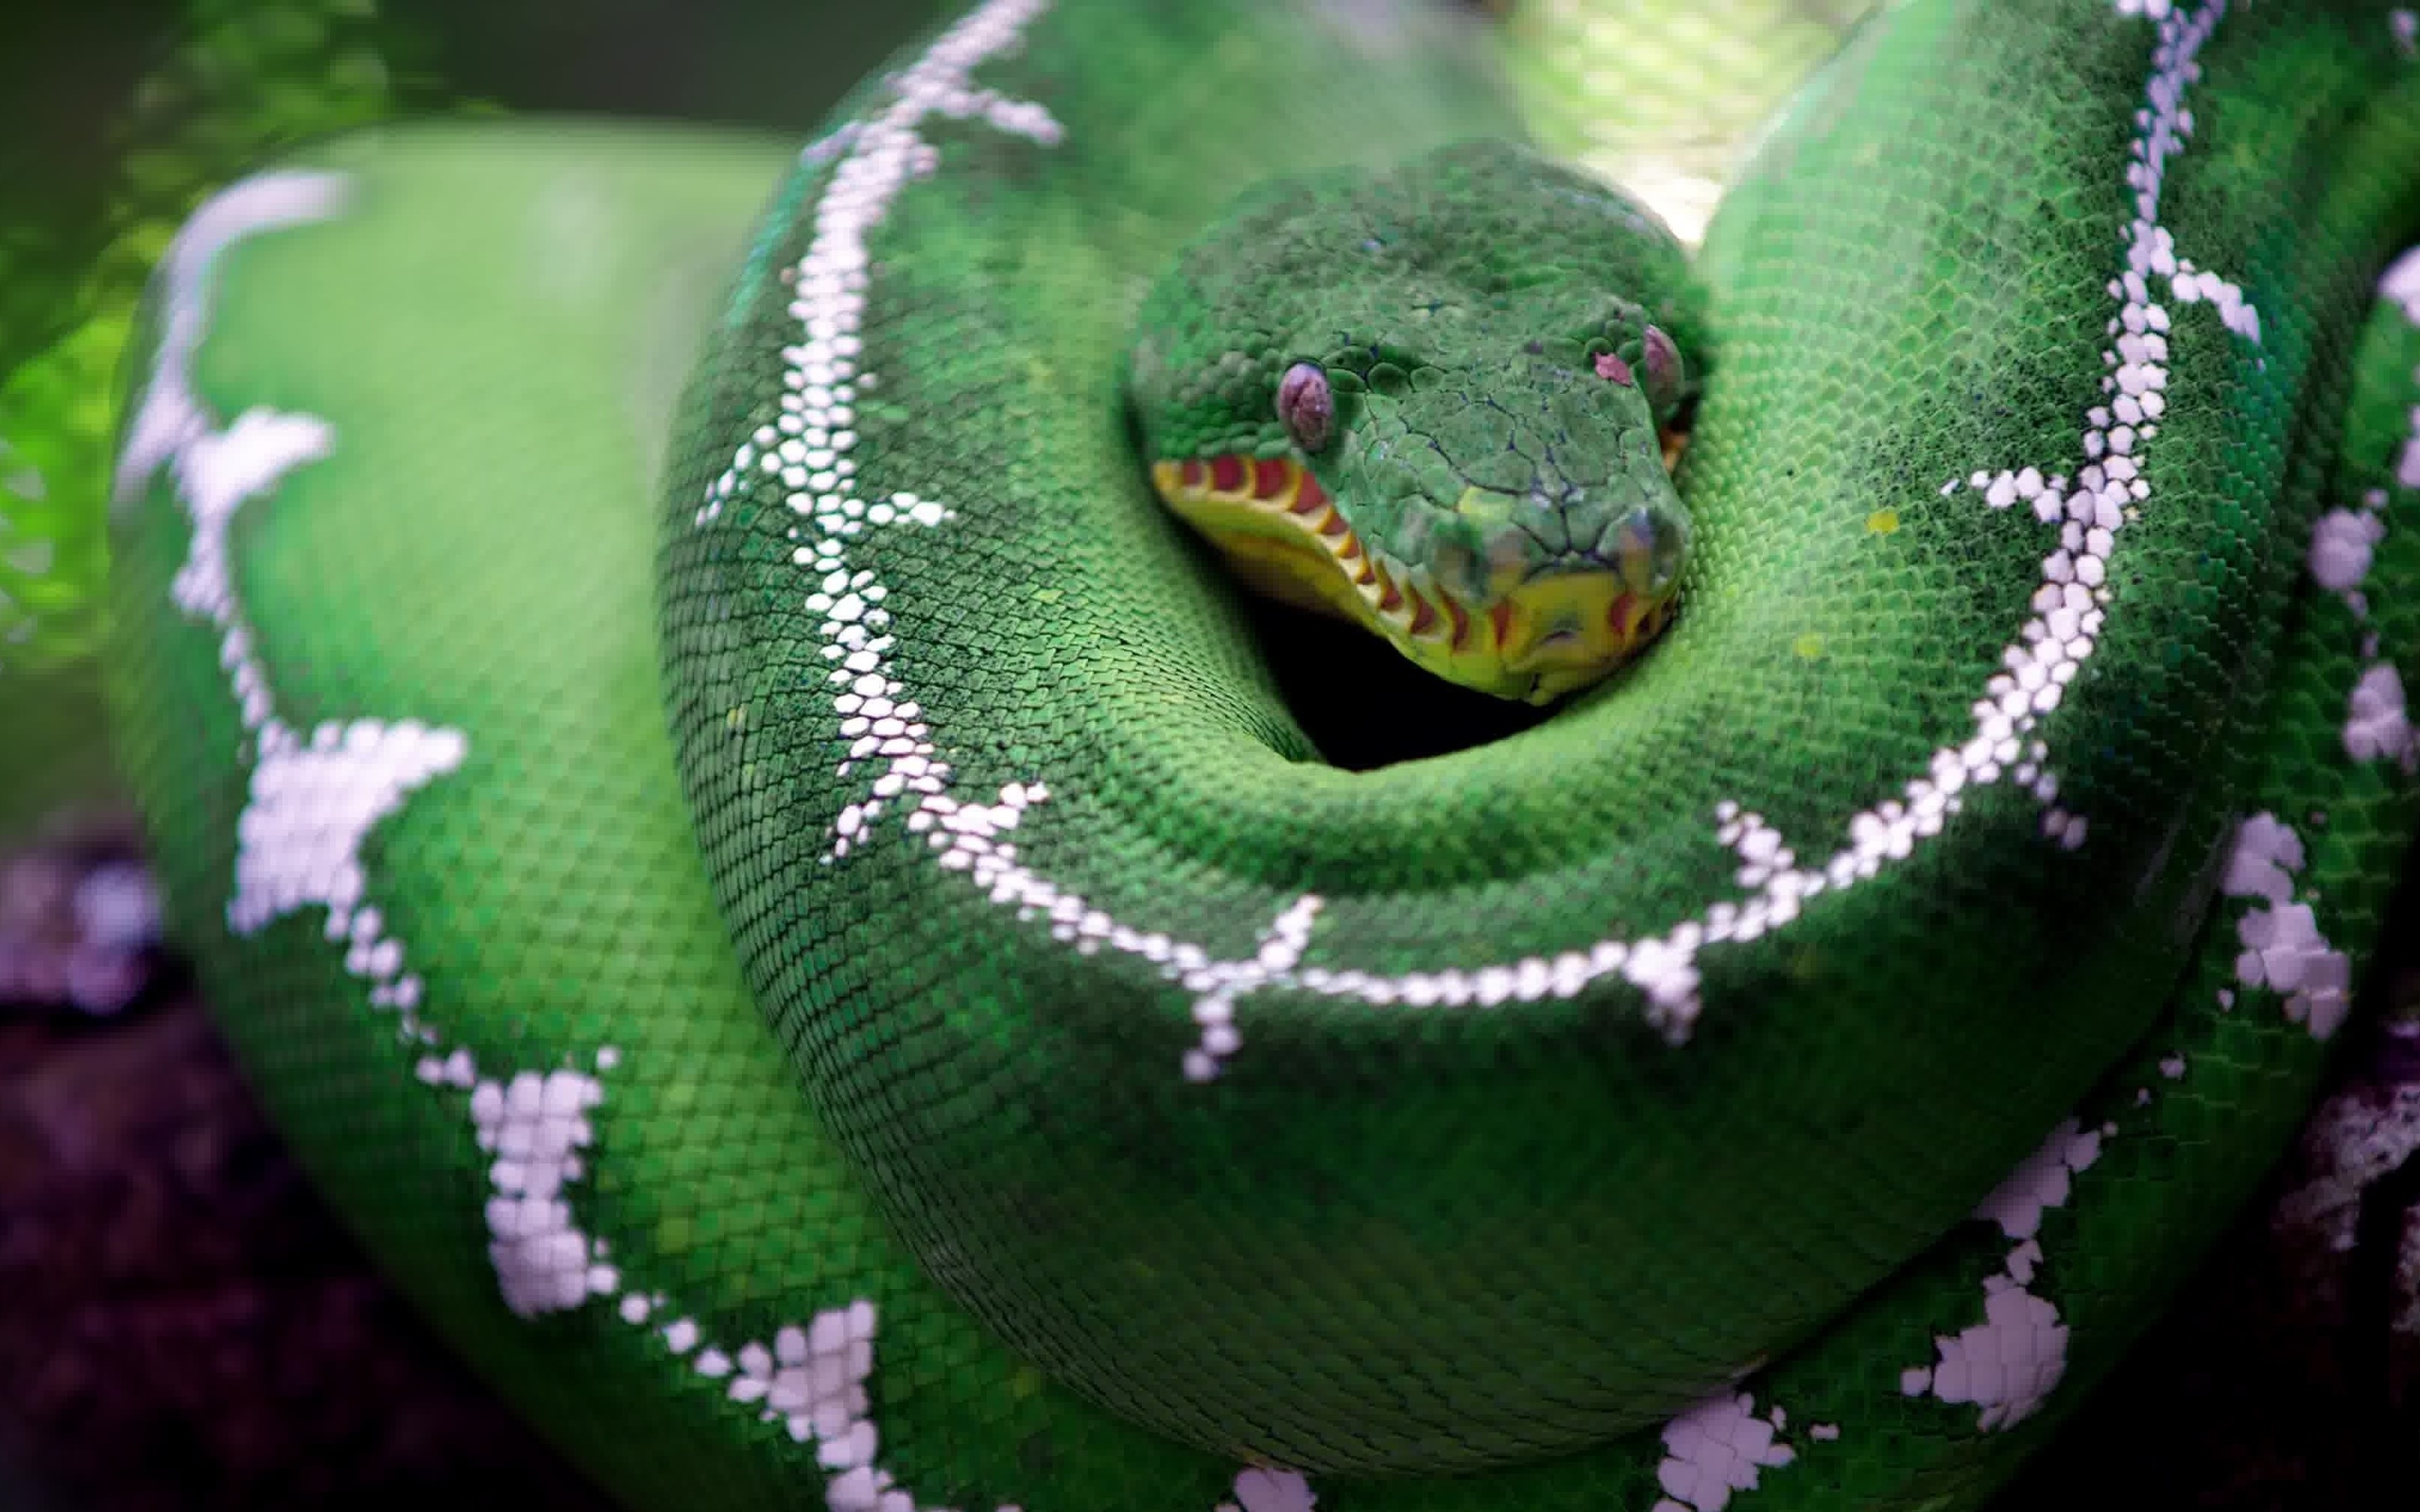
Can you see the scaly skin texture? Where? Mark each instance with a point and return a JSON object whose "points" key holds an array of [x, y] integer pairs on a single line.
{"points": [[1404, 1093], [1479, 329], [1023, 1075]]}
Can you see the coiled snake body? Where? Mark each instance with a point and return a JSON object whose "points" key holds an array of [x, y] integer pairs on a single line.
{"points": [[874, 996]]}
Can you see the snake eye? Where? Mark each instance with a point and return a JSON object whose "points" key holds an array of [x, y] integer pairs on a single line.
{"points": [[1304, 406], [1661, 358]]}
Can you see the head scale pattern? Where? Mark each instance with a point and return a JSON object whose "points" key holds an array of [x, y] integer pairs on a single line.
{"points": [[1434, 400]]}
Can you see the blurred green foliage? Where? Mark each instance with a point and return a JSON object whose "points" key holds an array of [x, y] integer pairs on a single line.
{"points": [[118, 116], [118, 124]]}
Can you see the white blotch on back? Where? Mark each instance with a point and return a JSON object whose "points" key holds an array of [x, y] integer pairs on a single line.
{"points": [[2401, 283], [1716, 1448], [170, 418], [536, 1127], [2378, 725], [2008, 1363], [2340, 545], [310, 808], [1265, 1490], [2283, 949], [2041, 1182]]}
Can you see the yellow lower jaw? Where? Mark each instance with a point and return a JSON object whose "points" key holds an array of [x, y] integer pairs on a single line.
{"points": [[1534, 640]]}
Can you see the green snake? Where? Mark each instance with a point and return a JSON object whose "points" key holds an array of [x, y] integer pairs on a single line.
{"points": [[802, 917]]}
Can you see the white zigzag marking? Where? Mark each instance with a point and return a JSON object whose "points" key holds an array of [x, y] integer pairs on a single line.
{"points": [[2377, 719], [813, 1380], [2052, 646], [311, 803], [2008, 1363], [2283, 949], [1720, 1446]]}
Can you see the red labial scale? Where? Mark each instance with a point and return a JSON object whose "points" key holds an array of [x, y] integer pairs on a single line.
{"points": [[1619, 613], [1462, 622]]}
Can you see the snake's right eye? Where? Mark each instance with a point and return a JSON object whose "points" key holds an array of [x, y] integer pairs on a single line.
{"points": [[1305, 406], [1659, 356]]}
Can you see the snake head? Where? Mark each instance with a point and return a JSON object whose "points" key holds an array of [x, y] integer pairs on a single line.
{"points": [[1434, 401]]}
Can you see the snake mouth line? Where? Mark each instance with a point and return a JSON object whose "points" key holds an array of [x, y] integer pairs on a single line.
{"points": [[1534, 639]]}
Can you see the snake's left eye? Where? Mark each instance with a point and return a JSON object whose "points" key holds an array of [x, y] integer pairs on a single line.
{"points": [[1305, 406]]}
